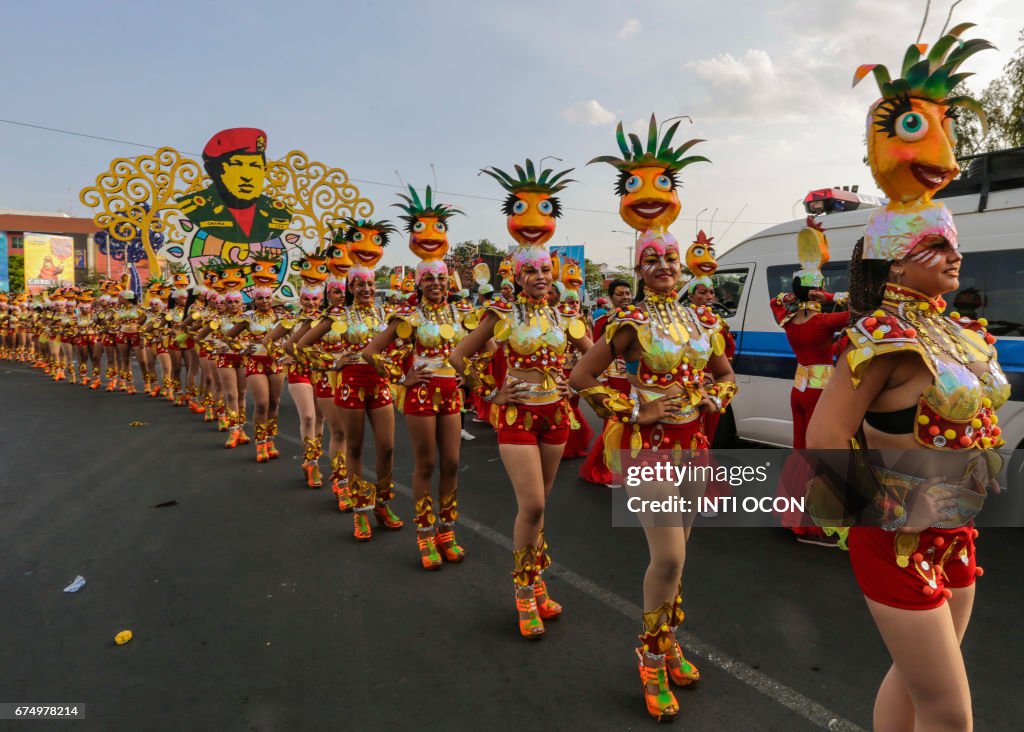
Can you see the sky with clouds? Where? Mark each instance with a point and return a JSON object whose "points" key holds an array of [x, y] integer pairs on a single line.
{"points": [[380, 87]]}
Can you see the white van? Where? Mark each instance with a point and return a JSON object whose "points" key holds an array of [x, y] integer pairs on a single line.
{"points": [[991, 227]]}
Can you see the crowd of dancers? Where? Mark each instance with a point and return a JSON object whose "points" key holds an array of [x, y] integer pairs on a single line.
{"points": [[894, 371]]}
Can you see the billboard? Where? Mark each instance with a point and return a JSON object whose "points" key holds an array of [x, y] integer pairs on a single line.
{"points": [[48, 261], [5, 275]]}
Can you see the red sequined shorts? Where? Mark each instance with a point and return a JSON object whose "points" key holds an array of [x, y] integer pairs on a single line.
{"points": [[532, 424], [665, 436], [261, 366], [130, 339], [228, 360], [86, 340], [300, 375], [361, 387], [322, 388], [189, 344], [438, 397], [108, 340], [911, 571]]}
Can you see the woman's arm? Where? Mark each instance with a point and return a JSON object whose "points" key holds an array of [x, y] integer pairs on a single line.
{"points": [[841, 409], [472, 343], [315, 333], [380, 342], [597, 359]]}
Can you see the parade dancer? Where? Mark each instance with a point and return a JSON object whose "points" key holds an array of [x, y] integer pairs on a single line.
{"points": [[264, 376], [594, 469], [312, 269], [927, 386], [359, 391], [667, 348], [811, 334], [532, 416], [427, 390], [227, 351]]}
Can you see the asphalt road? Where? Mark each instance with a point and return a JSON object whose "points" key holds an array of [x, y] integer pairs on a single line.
{"points": [[253, 609]]}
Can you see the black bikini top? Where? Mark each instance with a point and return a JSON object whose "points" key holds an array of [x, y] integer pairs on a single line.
{"points": [[900, 422]]}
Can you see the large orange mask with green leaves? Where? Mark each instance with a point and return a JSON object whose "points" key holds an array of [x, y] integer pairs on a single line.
{"points": [[912, 128], [427, 223], [531, 206], [648, 177]]}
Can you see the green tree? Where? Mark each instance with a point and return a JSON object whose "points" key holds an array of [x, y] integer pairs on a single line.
{"points": [[16, 272], [1003, 102]]}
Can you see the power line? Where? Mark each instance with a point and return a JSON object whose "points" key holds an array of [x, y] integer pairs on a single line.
{"points": [[354, 180]]}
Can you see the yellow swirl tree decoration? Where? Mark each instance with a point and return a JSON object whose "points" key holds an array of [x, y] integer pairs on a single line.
{"points": [[317, 194], [133, 197]]}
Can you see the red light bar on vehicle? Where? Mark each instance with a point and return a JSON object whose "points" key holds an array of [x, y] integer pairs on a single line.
{"points": [[834, 200]]}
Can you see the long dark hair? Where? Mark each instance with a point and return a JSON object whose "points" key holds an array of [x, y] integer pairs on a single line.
{"points": [[867, 282]]}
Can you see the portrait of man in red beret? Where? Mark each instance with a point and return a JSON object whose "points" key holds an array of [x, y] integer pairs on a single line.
{"points": [[234, 207]]}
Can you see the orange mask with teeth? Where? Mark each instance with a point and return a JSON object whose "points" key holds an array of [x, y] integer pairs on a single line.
{"points": [[264, 272], [428, 238], [911, 130], [531, 221], [338, 260], [651, 201], [700, 257], [312, 268], [232, 277], [571, 276]]}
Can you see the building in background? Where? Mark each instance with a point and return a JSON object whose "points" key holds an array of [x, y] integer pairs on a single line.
{"points": [[73, 236]]}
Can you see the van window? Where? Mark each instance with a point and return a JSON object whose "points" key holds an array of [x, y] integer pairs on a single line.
{"points": [[780, 277], [729, 284], [992, 287]]}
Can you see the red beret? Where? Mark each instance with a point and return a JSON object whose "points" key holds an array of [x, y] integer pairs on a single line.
{"points": [[236, 140]]}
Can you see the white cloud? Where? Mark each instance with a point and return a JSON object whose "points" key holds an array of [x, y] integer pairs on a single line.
{"points": [[629, 29], [588, 113]]}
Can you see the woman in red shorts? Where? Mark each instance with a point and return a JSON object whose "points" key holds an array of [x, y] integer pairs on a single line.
{"points": [[532, 418], [914, 394], [360, 392], [264, 376], [668, 349], [413, 353], [226, 352], [312, 269]]}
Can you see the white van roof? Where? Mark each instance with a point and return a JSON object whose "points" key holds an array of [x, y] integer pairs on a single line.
{"points": [[845, 228]]}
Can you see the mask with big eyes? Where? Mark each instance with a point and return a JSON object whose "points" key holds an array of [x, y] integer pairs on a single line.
{"points": [[426, 221], [648, 198], [232, 277], [505, 271], [531, 217], [647, 183], [570, 275], [911, 129], [700, 257], [338, 260], [265, 271], [428, 238], [365, 246]]}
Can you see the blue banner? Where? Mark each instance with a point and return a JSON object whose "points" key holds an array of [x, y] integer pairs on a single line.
{"points": [[5, 275]]}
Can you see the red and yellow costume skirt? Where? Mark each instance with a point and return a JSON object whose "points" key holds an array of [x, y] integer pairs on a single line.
{"points": [[323, 383], [130, 339], [228, 360], [912, 571], [532, 424], [438, 397], [261, 366], [361, 387], [187, 344], [86, 339]]}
